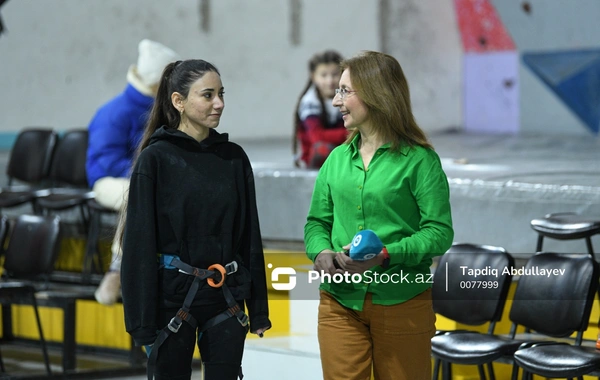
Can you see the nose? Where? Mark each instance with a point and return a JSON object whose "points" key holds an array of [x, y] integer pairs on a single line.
{"points": [[218, 104], [337, 100]]}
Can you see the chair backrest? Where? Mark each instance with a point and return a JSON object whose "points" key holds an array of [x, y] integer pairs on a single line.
{"points": [[31, 154], [555, 292], [32, 246], [68, 161], [470, 284]]}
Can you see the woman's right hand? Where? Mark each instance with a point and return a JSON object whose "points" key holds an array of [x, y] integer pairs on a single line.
{"points": [[324, 261]]}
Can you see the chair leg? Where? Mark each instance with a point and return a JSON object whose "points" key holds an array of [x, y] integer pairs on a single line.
{"points": [[91, 248], [35, 207], [42, 340], [2, 369], [85, 219], [490, 367], [540, 243], [436, 369], [588, 242], [515, 372], [446, 371], [481, 370]]}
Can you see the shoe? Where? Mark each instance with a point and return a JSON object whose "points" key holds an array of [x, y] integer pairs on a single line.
{"points": [[109, 291]]}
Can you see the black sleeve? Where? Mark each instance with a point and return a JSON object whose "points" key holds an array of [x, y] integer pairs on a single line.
{"points": [[139, 269], [258, 307]]}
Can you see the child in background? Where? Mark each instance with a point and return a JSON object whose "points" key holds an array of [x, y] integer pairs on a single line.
{"points": [[318, 124]]}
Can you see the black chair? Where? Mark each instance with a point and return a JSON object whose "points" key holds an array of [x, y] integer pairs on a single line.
{"points": [[454, 296], [29, 164], [69, 181], [553, 306], [566, 226], [557, 360], [29, 259]]}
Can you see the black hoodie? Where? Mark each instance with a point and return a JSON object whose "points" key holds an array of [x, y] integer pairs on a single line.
{"points": [[195, 200]]}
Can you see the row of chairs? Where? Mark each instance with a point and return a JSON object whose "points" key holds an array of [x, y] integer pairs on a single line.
{"points": [[48, 171], [554, 307]]}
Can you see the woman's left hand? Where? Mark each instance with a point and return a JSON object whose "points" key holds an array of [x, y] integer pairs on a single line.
{"points": [[352, 266]]}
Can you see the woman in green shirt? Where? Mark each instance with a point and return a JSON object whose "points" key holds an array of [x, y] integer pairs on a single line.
{"points": [[387, 178]]}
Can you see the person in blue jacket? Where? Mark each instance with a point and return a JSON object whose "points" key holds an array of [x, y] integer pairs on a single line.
{"points": [[114, 134]]}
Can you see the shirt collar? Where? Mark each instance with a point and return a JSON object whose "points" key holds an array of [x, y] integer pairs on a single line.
{"points": [[353, 146]]}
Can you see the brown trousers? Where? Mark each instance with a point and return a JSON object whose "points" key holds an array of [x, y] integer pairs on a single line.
{"points": [[392, 341]]}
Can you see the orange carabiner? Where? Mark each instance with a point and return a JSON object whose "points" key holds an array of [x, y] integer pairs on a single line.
{"points": [[211, 281]]}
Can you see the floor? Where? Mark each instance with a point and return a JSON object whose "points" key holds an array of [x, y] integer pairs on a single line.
{"points": [[264, 359]]}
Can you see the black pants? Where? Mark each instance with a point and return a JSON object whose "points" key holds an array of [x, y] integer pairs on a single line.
{"points": [[221, 347]]}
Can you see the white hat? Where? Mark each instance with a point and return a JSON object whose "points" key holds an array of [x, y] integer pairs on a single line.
{"points": [[152, 59]]}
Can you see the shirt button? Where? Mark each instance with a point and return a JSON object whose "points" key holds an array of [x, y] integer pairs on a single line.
{"points": [[378, 153], [358, 207], [360, 188], [360, 227]]}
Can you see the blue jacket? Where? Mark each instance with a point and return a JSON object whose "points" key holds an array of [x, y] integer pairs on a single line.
{"points": [[114, 134]]}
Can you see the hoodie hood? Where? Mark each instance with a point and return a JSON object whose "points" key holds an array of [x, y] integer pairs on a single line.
{"points": [[177, 137]]}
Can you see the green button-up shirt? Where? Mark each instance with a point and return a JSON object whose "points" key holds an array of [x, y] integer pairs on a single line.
{"points": [[403, 196]]}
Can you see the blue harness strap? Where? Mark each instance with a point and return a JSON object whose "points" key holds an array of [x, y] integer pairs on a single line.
{"points": [[164, 261], [183, 314]]}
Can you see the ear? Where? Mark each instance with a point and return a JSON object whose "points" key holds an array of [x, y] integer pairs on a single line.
{"points": [[178, 101]]}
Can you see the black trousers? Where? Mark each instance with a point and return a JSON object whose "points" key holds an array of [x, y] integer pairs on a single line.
{"points": [[221, 347]]}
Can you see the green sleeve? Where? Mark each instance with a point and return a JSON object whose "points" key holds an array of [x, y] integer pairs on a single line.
{"points": [[319, 222], [431, 191]]}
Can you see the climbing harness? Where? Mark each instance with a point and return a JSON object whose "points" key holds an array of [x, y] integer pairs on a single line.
{"points": [[215, 277]]}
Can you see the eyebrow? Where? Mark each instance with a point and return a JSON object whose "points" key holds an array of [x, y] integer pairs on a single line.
{"points": [[211, 89]]}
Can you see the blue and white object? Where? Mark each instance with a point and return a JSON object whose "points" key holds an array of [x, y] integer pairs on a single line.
{"points": [[365, 245]]}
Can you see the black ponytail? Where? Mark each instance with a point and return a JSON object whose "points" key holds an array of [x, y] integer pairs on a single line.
{"points": [[163, 112]]}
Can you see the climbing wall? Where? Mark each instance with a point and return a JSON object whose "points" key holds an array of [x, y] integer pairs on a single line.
{"points": [[490, 75]]}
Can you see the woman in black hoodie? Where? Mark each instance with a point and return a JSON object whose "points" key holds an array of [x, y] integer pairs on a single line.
{"points": [[191, 205]]}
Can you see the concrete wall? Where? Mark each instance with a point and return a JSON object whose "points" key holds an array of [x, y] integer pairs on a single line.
{"points": [[551, 25], [423, 36], [61, 59]]}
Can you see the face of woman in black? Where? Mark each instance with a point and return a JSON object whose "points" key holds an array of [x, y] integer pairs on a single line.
{"points": [[205, 102]]}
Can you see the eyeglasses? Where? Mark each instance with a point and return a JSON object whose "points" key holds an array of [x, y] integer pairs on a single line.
{"points": [[343, 92]]}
